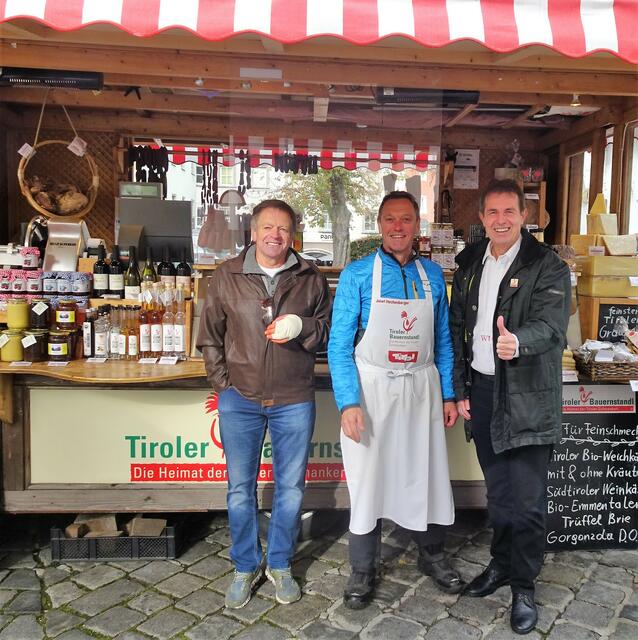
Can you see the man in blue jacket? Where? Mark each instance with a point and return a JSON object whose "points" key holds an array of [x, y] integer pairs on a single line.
{"points": [[391, 361]]}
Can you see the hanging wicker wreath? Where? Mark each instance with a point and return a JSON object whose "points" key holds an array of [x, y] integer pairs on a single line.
{"points": [[72, 181]]}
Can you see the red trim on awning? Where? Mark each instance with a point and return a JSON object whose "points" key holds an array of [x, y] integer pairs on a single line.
{"points": [[574, 28]]}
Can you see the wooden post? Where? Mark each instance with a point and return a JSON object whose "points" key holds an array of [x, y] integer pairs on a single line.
{"points": [[617, 174], [597, 165], [6, 398]]}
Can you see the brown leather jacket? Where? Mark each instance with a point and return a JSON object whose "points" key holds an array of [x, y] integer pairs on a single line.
{"points": [[231, 332]]}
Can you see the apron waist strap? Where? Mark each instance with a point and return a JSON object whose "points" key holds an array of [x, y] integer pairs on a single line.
{"points": [[393, 373]]}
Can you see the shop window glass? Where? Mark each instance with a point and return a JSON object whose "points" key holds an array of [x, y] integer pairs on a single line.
{"points": [[584, 190], [607, 160], [632, 176]]}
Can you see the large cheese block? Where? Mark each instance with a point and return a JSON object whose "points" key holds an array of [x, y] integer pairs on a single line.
{"points": [[606, 287], [620, 245], [603, 223], [581, 243], [607, 265]]}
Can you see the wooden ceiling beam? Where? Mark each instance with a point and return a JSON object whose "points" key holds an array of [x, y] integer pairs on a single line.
{"points": [[583, 126], [212, 129], [468, 108], [394, 49], [523, 117], [344, 72]]}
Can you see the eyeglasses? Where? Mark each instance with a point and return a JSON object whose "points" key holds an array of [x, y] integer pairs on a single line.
{"points": [[267, 311]]}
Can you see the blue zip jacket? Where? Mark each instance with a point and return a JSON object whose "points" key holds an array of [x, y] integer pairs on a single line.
{"points": [[351, 311]]}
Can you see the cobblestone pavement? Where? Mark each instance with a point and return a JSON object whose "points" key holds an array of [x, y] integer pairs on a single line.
{"points": [[582, 595]]}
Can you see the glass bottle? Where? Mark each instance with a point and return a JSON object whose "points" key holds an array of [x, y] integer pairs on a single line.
{"points": [[168, 325], [101, 332], [116, 273], [114, 334], [144, 322], [166, 269], [100, 274], [88, 337], [184, 273], [149, 274], [132, 278], [156, 322], [132, 333], [179, 337]]}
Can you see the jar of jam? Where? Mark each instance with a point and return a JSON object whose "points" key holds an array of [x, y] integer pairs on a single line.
{"points": [[11, 345], [63, 281], [49, 282], [17, 313], [34, 281], [59, 349], [39, 314], [81, 283], [18, 280], [65, 314], [34, 345]]}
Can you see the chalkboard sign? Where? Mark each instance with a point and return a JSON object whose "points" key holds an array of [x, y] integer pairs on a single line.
{"points": [[592, 492], [608, 316]]}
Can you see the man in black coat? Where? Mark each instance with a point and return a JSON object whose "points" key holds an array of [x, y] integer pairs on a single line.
{"points": [[509, 314]]}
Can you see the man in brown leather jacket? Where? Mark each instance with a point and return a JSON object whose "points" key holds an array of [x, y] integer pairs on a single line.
{"points": [[265, 317]]}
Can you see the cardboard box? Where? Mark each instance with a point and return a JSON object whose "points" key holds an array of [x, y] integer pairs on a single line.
{"points": [[607, 265], [603, 223]]}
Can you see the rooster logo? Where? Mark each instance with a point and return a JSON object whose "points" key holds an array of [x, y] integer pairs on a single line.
{"points": [[407, 323], [584, 395], [210, 406]]}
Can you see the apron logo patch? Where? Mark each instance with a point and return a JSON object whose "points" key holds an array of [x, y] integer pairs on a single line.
{"points": [[514, 283], [403, 356], [407, 323]]}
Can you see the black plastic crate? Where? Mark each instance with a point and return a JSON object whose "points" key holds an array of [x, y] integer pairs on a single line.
{"points": [[161, 547]]}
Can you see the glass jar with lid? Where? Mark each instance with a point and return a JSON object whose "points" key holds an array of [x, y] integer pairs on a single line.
{"points": [[65, 314], [34, 344], [11, 345], [39, 314], [59, 348], [17, 313]]}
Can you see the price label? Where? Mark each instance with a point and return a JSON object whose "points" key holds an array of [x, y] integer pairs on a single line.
{"points": [[147, 360], [634, 385], [77, 146], [40, 308], [27, 341], [94, 360], [26, 150], [3, 341], [20, 363], [633, 281], [57, 364], [596, 251], [168, 360], [570, 376]]}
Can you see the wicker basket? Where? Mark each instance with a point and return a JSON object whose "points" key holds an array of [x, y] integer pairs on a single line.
{"points": [[54, 160], [612, 371]]}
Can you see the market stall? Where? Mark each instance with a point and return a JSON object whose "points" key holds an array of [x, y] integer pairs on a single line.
{"points": [[461, 91]]}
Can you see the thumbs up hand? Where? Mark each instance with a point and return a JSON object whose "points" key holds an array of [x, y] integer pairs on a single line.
{"points": [[507, 343]]}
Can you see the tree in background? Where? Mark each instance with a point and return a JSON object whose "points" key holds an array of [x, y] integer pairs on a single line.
{"points": [[336, 192]]}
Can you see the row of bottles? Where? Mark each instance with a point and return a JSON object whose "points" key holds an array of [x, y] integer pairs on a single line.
{"points": [[112, 278], [156, 328]]}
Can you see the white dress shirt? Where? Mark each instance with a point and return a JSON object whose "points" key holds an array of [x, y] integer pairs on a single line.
{"points": [[493, 271]]}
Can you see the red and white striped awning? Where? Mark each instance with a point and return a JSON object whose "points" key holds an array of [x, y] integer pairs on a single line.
{"points": [[572, 27]]}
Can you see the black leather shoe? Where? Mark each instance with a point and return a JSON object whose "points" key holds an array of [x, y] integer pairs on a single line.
{"points": [[438, 566], [524, 614], [359, 590], [487, 582]]}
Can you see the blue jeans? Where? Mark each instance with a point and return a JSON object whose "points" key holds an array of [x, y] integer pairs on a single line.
{"points": [[243, 426]]}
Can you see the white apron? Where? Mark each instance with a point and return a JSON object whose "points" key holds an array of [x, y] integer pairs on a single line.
{"points": [[399, 470]]}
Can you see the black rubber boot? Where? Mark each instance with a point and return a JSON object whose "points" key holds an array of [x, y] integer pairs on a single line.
{"points": [[359, 590]]}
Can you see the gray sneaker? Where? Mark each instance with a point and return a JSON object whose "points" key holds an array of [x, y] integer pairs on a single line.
{"points": [[240, 590], [287, 590]]}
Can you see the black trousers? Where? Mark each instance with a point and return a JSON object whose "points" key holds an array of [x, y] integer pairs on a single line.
{"points": [[516, 483], [365, 549]]}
